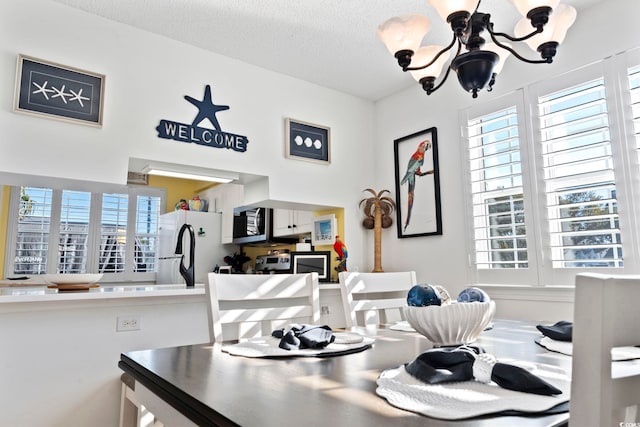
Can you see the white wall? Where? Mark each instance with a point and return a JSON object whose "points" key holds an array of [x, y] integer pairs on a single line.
{"points": [[59, 360], [601, 32], [147, 77]]}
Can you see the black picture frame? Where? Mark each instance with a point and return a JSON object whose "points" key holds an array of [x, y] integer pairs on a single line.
{"points": [[424, 217], [307, 141], [312, 262], [47, 89]]}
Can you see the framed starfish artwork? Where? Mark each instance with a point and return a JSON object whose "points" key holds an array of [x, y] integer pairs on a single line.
{"points": [[417, 184], [57, 91], [306, 141]]}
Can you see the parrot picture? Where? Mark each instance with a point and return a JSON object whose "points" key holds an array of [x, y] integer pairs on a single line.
{"points": [[341, 250], [413, 169]]}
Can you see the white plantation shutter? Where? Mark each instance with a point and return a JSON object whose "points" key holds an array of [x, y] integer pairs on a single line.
{"points": [[146, 235], [579, 177], [57, 231], [113, 236], [634, 88], [33, 226], [74, 232], [499, 230]]}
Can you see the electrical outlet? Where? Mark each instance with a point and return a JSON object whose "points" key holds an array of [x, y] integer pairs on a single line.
{"points": [[128, 323], [325, 310]]}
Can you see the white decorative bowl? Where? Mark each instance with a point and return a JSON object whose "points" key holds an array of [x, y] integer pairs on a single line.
{"points": [[457, 323], [71, 279]]}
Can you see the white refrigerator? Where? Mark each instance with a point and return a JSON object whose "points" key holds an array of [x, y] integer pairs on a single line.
{"points": [[209, 250]]}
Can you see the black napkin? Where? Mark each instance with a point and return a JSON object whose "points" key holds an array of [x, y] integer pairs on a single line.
{"points": [[560, 331], [441, 365], [304, 336]]}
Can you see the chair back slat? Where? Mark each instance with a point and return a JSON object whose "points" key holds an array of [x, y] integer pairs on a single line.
{"points": [[243, 305], [364, 294]]}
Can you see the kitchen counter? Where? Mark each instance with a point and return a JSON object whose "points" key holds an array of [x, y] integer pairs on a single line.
{"points": [[19, 298], [33, 296]]}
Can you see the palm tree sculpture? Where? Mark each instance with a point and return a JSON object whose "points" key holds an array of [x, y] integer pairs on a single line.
{"points": [[378, 210]]}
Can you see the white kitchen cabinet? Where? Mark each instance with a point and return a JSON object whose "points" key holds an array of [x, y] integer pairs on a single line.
{"points": [[288, 222], [227, 197]]}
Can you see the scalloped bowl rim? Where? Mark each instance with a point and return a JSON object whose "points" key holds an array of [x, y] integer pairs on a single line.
{"points": [[457, 323], [72, 279]]}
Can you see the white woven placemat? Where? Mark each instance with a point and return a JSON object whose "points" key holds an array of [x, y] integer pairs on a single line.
{"points": [[466, 399], [268, 347], [564, 347], [402, 325]]}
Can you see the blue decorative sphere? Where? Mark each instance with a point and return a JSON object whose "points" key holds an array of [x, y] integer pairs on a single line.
{"points": [[423, 295], [473, 294]]}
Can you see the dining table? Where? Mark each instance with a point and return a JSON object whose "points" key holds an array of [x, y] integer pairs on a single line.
{"points": [[204, 385]]}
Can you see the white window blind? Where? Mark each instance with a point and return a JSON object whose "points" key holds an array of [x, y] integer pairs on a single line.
{"points": [[500, 237], [634, 88], [146, 237], [74, 232], [113, 238], [57, 231], [32, 240], [579, 177]]}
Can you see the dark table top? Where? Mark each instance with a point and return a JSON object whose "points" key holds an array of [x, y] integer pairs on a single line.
{"points": [[214, 388]]}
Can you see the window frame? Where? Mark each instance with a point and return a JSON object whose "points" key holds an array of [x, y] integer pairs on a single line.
{"points": [[526, 276], [605, 70], [626, 170], [95, 225]]}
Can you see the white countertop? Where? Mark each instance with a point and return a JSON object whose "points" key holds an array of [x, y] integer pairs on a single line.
{"points": [[36, 293]]}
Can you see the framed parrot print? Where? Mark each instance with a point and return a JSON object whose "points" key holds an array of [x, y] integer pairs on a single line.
{"points": [[417, 184]]}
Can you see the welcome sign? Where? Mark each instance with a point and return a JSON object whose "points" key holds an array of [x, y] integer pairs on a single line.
{"points": [[192, 133]]}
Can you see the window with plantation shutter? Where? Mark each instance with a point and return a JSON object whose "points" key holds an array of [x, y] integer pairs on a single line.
{"points": [[146, 236], [113, 235], [70, 231], [74, 232], [32, 230], [554, 177], [580, 188], [634, 89], [499, 230]]}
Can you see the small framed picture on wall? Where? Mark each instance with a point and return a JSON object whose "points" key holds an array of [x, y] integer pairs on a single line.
{"points": [[324, 230], [307, 141], [47, 89]]}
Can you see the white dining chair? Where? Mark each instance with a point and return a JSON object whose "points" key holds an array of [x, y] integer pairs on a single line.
{"points": [[132, 412], [367, 297], [242, 306], [606, 315]]}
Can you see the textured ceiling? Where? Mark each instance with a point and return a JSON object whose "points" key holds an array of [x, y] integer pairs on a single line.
{"points": [[331, 43]]}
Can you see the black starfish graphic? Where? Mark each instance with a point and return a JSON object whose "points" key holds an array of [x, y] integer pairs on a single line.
{"points": [[207, 109]]}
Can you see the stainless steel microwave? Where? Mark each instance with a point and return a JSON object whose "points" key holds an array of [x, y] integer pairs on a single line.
{"points": [[254, 226], [251, 225]]}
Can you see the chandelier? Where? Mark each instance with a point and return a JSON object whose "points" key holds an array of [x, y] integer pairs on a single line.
{"points": [[543, 27]]}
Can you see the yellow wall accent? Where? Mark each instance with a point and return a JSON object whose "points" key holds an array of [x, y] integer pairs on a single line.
{"points": [[178, 189], [4, 223], [339, 213]]}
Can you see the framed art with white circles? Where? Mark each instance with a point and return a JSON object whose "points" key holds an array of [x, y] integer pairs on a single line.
{"points": [[307, 141]]}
